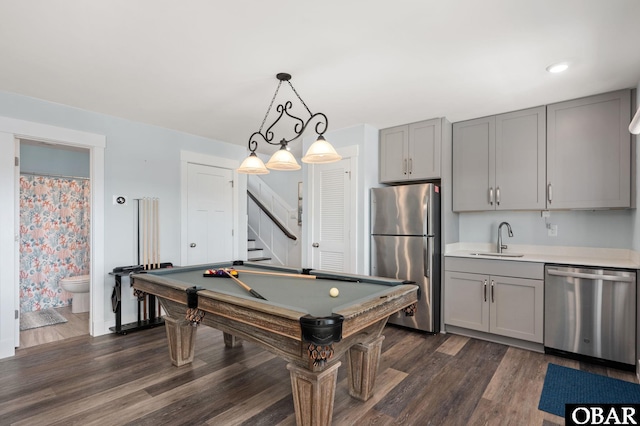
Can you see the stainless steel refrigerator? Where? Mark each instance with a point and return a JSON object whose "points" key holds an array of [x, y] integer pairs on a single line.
{"points": [[405, 244]]}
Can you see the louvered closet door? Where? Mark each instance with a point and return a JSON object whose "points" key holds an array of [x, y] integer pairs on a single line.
{"points": [[331, 217]]}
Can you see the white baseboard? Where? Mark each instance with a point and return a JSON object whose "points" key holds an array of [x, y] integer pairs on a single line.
{"points": [[126, 319], [100, 328], [7, 348]]}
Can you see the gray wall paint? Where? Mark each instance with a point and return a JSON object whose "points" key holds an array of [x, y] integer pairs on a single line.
{"points": [[52, 161], [140, 161], [285, 183], [605, 229]]}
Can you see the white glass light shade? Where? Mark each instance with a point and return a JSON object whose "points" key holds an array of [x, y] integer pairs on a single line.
{"points": [[634, 126], [559, 67], [253, 165], [283, 160], [320, 152]]}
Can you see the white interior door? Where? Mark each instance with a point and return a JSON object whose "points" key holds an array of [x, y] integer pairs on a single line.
{"points": [[16, 227], [209, 214], [331, 217]]}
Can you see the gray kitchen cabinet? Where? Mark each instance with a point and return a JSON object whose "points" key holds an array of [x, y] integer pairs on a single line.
{"points": [[520, 160], [499, 162], [503, 305], [411, 152], [589, 152], [473, 164], [465, 302]]}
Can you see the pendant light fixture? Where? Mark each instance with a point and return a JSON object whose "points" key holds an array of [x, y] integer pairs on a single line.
{"points": [[634, 126], [320, 151]]}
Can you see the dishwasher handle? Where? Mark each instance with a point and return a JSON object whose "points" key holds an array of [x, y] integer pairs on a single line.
{"points": [[588, 276]]}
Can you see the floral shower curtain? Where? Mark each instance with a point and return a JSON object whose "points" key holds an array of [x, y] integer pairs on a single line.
{"points": [[54, 233]]}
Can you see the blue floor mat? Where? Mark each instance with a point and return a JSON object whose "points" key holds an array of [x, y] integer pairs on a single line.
{"points": [[564, 385]]}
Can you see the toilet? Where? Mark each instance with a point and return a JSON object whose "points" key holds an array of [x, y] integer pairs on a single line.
{"points": [[79, 287]]}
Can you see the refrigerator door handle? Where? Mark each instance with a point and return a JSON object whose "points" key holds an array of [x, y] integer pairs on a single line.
{"points": [[428, 250]]}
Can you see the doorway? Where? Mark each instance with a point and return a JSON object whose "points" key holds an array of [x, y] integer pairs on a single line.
{"points": [[54, 241], [11, 130]]}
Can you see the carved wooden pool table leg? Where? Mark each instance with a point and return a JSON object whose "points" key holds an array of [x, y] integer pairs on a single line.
{"points": [[313, 394], [363, 361], [181, 335], [231, 341]]}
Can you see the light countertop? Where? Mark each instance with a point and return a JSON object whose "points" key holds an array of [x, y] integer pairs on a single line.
{"points": [[587, 256]]}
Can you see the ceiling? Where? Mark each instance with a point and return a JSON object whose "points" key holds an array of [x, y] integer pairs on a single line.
{"points": [[207, 67]]}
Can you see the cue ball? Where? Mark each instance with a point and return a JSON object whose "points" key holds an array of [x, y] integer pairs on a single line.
{"points": [[334, 292]]}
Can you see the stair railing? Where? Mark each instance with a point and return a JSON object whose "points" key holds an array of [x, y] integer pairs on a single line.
{"points": [[271, 216]]}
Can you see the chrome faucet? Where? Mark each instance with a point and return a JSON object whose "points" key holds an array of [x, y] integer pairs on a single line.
{"points": [[500, 245]]}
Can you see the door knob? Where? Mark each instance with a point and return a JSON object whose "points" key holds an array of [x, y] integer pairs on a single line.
{"points": [[315, 245], [192, 245]]}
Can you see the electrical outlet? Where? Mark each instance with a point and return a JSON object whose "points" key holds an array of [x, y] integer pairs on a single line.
{"points": [[552, 230], [119, 200]]}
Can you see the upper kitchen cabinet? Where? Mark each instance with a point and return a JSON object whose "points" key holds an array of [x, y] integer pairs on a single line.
{"points": [[411, 152], [589, 152], [499, 162], [474, 164]]}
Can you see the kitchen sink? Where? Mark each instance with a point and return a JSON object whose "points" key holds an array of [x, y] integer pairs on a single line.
{"points": [[496, 254]]}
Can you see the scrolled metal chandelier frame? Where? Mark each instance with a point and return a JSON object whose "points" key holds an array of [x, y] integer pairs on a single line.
{"points": [[319, 152]]}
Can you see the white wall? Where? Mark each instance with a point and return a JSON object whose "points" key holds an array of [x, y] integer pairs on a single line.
{"points": [[139, 160]]}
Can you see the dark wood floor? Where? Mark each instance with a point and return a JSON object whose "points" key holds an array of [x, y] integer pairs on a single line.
{"points": [[129, 380]]}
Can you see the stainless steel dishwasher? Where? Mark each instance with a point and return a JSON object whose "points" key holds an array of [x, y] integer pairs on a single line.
{"points": [[591, 312]]}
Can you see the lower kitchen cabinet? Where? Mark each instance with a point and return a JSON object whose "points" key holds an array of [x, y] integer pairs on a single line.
{"points": [[501, 305]]}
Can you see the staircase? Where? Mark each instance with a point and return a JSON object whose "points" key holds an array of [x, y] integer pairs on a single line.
{"points": [[272, 225], [255, 254]]}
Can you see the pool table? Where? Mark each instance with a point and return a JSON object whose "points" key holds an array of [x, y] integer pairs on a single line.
{"points": [[289, 312]]}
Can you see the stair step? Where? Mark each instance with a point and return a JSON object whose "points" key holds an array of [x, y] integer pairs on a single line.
{"points": [[259, 259]]}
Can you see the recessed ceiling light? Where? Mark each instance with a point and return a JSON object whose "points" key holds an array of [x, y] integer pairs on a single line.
{"points": [[559, 67]]}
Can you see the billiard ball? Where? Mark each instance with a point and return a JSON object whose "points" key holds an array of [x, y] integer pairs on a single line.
{"points": [[334, 292]]}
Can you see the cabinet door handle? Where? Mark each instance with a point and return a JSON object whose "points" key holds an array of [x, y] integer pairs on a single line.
{"points": [[498, 195], [404, 166], [485, 290], [410, 165], [550, 192], [491, 195], [493, 300]]}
